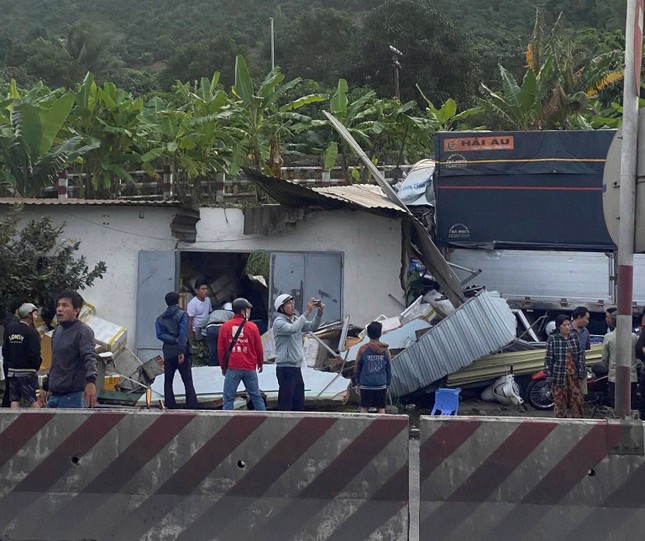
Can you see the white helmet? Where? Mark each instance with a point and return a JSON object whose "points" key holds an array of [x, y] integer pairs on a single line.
{"points": [[550, 328], [282, 299]]}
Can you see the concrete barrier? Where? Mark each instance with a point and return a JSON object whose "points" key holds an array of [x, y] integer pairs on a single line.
{"points": [[531, 479], [120, 475]]}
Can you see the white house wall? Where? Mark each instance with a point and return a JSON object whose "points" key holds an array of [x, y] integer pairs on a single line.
{"points": [[114, 235], [371, 247]]}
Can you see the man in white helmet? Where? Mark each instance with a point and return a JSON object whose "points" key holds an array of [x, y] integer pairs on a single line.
{"points": [[287, 332]]}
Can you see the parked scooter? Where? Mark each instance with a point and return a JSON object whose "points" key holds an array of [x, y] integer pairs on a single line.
{"points": [[538, 391]]}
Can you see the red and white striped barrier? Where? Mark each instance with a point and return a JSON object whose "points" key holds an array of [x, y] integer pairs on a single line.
{"points": [[205, 475], [531, 479]]}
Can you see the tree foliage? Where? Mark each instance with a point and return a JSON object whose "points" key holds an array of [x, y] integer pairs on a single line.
{"points": [[436, 55], [36, 263], [318, 45]]}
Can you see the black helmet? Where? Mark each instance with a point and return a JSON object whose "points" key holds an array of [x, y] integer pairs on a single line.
{"points": [[241, 304]]}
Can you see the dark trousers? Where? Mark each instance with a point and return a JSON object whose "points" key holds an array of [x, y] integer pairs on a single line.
{"points": [[212, 333], [6, 401], [170, 366], [291, 389], [634, 397]]}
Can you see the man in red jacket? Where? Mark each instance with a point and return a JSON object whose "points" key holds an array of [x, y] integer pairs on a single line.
{"points": [[239, 349]]}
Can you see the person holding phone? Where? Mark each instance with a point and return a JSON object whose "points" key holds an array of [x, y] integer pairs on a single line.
{"points": [[287, 332]]}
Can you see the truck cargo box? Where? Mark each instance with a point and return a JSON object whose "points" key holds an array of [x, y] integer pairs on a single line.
{"points": [[526, 190]]}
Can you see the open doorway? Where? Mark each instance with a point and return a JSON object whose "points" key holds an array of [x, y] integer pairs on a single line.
{"points": [[229, 275]]}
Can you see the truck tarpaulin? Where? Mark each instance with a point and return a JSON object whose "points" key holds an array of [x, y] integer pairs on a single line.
{"points": [[538, 189]]}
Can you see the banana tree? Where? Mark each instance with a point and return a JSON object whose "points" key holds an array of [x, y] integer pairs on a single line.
{"points": [[190, 137], [378, 125], [106, 119], [31, 153], [446, 117], [558, 86], [261, 120]]}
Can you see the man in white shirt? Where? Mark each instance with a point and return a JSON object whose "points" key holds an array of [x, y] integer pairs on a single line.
{"points": [[198, 310]]}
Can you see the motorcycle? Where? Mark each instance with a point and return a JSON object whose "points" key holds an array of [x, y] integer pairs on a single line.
{"points": [[538, 391]]}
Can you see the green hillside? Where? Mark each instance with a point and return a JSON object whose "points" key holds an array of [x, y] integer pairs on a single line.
{"points": [[148, 44]]}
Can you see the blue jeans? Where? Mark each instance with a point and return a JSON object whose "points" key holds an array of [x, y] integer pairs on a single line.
{"points": [[69, 400], [232, 382], [212, 333]]}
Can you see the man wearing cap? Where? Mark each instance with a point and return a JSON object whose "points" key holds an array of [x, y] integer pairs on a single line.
{"points": [[240, 352], [21, 350], [12, 317], [287, 332], [72, 377]]}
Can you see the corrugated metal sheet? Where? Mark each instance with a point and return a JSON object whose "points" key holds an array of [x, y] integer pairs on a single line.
{"points": [[481, 326], [523, 362], [368, 196], [287, 192], [89, 202]]}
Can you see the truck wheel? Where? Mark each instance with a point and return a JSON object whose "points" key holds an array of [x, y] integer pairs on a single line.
{"points": [[538, 394]]}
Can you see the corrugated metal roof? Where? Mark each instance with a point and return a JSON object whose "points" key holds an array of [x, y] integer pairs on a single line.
{"points": [[368, 196], [482, 325], [288, 192], [88, 202], [523, 362]]}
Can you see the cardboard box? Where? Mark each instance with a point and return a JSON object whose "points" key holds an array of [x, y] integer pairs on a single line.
{"points": [[153, 367], [110, 336], [222, 290], [46, 350], [268, 345]]}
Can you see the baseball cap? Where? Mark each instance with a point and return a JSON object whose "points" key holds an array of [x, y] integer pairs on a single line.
{"points": [[26, 309]]}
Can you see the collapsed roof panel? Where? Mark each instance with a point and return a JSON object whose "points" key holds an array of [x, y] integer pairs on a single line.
{"points": [[482, 325]]}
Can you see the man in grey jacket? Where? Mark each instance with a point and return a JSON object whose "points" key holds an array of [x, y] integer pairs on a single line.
{"points": [[72, 377], [287, 332]]}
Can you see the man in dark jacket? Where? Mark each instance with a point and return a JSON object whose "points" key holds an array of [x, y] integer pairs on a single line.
{"points": [[21, 351], [11, 317], [72, 377], [172, 329]]}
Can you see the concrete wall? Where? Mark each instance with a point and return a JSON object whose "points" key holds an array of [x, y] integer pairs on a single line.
{"points": [[114, 235], [202, 475], [371, 246], [531, 479]]}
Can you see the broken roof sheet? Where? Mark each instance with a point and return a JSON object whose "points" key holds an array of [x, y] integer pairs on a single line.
{"points": [[482, 325], [288, 192]]}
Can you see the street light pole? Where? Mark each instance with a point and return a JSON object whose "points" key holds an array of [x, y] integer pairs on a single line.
{"points": [[272, 45], [396, 54]]}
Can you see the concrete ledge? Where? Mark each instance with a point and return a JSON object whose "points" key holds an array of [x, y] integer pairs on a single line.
{"points": [[517, 478], [202, 475]]}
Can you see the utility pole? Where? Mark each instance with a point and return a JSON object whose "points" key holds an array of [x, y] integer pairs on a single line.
{"points": [[396, 54], [272, 44], [627, 205]]}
